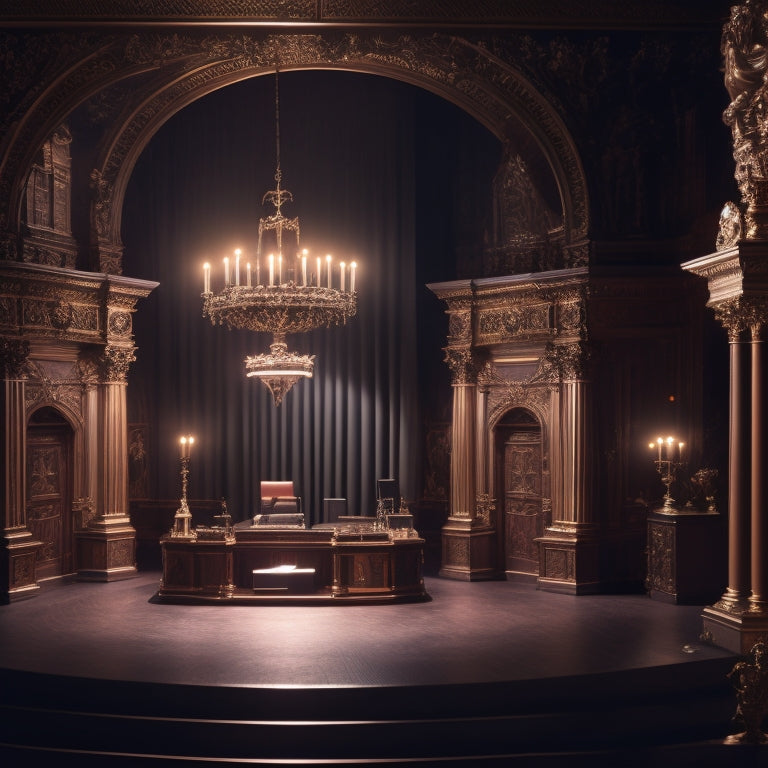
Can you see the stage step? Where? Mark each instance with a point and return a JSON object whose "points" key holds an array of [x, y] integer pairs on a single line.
{"points": [[659, 717]]}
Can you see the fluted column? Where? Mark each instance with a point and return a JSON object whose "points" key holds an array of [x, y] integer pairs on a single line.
{"points": [[739, 439], [759, 514], [107, 548], [468, 549], [18, 547], [463, 451], [576, 455]]}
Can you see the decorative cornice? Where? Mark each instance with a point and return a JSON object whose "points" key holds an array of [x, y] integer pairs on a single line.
{"points": [[67, 305], [576, 14]]}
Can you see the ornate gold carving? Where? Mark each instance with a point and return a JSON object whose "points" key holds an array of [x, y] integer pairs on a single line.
{"points": [[749, 678], [559, 564], [745, 51], [730, 227], [120, 553], [460, 325], [661, 566], [116, 361], [518, 320], [119, 323], [563, 362], [14, 354], [743, 313], [462, 363], [455, 550], [485, 506]]}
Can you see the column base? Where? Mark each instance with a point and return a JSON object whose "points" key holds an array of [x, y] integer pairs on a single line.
{"points": [[468, 550], [569, 560], [734, 627], [106, 551], [18, 556]]}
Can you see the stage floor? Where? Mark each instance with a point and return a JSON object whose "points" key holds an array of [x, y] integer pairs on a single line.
{"points": [[481, 632]]}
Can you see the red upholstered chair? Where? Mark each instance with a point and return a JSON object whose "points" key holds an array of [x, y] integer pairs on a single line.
{"points": [[279, 506]]}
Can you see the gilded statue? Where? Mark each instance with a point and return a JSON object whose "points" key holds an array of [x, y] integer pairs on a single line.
{"points": [[750, 679], [744, 47]]}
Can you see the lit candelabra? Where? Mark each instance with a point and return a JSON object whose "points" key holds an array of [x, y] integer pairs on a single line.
{"points": [[668, 462], [183, 517]]}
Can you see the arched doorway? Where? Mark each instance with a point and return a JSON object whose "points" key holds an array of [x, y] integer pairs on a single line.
{"points": [[49, 491], [519, 473]]}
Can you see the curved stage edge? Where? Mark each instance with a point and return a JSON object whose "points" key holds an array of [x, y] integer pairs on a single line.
{"points": [[491, 684]]}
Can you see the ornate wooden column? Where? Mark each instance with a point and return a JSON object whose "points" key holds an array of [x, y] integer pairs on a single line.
{"points": [[468, 534], [18, 548], [107, 547], [570, 546]]}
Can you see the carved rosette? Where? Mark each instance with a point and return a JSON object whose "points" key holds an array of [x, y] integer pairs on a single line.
{"points": [[115, 362], [14, 354]]}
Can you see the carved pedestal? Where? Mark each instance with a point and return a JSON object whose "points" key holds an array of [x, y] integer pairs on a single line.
{"points": [[734, 627], [18, 551], [685, 557], [107, 550], [569, 557], [468, 550]]}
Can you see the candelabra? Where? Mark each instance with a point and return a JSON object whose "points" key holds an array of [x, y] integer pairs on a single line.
{"points": [[183, 517], [668, 462]]}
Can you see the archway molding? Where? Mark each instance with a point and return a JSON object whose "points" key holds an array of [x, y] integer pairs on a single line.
{"points": [[159, 74]]}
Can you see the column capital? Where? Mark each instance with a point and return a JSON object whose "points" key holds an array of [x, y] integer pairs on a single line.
{"points": [[14, 354], [115, 362], [465, 364], [741, 314]]}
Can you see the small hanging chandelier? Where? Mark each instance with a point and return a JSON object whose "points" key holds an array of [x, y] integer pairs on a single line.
{"points": [[283, 297]]}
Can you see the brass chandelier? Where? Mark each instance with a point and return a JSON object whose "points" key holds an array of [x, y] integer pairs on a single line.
{"points": [[282, 297]]}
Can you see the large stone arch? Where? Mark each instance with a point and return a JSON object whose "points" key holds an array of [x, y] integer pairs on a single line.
{"points": [[159, 74]]}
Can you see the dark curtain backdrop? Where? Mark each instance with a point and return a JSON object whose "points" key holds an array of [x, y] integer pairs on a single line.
{"points": [[370, 164]]}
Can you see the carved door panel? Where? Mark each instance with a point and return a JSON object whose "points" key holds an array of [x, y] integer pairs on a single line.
{"points": [[523, 520], [49, 515]]}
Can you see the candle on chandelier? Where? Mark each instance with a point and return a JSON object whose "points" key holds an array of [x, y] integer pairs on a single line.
{"points": [[328, 260], [659, 442], [670, 443], [319, 262], [206, 277], [304, 267], [352, 269], [680, 451], [248, 274], [258, 271], [343, 268], [226, 271], [271, 269], [279, 268], [237, 266]]}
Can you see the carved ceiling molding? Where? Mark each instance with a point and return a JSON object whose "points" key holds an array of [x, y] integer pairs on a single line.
{"points": [[559, 13], [172, 69]]}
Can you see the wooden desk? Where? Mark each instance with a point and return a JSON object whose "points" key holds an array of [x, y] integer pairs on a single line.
{"points": [[348, 568]]}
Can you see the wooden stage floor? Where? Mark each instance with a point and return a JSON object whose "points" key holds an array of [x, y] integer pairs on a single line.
{"points": [[477, 632]]}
